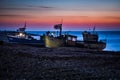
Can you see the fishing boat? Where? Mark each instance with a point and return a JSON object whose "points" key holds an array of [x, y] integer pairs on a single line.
{"points": [[27, 40], [22, 37], [53, 41], [91, 41]]}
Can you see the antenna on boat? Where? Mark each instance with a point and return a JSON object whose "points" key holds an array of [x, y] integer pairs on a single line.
{"points": [[22, 29], [61, 27], [25, 25], [89, 29], [94, 29], [61, 20]]}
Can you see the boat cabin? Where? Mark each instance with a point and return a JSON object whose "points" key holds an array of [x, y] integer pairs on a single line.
{"points": [[90, 37], [71, 40]]}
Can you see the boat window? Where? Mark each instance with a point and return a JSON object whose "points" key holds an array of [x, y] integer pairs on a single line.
{"points": [[73, 39], [69, 38]]}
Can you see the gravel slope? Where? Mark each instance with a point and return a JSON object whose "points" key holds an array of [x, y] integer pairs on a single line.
{"points": [[21, 62]]}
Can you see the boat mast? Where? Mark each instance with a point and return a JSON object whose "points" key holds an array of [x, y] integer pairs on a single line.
{"points": [[94, 29], [25, 25], [61, 27], [24, 28]]}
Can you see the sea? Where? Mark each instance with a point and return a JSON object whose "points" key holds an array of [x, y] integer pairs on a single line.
{"points": [[112, 37]]}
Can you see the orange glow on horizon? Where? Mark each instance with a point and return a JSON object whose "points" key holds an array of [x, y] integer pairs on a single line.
{"points": [[66, 20]]}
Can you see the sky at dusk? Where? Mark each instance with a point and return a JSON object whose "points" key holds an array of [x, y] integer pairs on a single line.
{"points": [[76, 14]]}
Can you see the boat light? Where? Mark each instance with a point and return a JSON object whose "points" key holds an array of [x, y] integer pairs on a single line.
{"points": [[21, 35], [52, 34]]}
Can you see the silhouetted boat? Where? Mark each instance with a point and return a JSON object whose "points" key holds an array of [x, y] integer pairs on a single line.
{"points": [[90, 40], [20, 36], [53, 41]]}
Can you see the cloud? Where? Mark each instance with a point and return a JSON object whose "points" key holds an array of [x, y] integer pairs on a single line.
{"points": [[44, 7], [28, 7], [13, 15]]}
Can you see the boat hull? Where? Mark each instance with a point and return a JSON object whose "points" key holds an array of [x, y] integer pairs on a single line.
{"points": [[52, 42], [91, 45], [25, 41]]}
